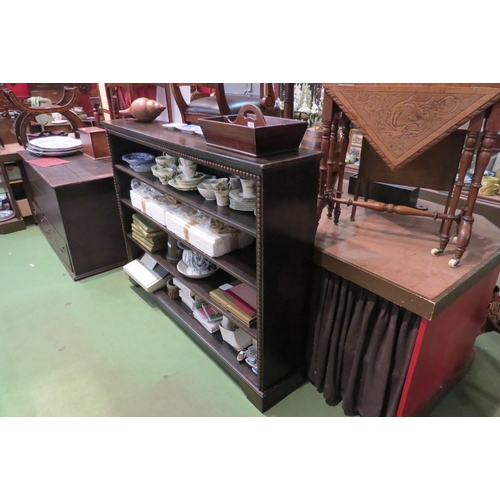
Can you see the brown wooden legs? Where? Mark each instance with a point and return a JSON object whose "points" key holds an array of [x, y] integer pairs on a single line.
{"points": [[491, 129], [476, 142], [331, 175], [470, 146]]}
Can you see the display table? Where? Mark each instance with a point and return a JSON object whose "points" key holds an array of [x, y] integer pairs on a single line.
{"points": [[402, 124], [389, 258], [76, 208]]}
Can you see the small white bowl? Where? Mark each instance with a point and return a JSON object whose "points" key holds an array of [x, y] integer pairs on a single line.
{"points": [[208, 194]]}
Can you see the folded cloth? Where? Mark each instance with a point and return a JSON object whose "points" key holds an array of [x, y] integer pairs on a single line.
{"points": [[48, 162]]}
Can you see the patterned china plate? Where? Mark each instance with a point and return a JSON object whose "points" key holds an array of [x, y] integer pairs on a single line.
{"points": [[52, 153], [190, 272], [196, 179], [242, 209], [237, 195], [55, 142], [187, 128], [172, 183]]}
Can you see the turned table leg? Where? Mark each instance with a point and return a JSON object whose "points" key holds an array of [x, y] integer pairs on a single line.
{"points": [[345, 125], [325, 146], [331, 161], [470, 146], [491, 129]]}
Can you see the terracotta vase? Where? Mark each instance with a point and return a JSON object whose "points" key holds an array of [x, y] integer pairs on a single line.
{"points": [[144, 109]]}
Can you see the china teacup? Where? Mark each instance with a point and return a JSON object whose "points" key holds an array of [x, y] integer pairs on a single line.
{"points": [[184, 161], [188, 170], [221, 184], [164, 174], [222, 197], [195, 260], [248, 188], [165, 161]]}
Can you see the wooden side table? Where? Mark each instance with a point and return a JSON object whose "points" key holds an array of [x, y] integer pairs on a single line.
{"points": [[400, 122]]}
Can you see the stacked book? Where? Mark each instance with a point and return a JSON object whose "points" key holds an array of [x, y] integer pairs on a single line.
{"points": [[238, 298], [148, 234], [207, 316]]}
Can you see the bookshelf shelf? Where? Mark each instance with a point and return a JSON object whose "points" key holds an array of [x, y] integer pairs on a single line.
{"points": [[278, 265]]}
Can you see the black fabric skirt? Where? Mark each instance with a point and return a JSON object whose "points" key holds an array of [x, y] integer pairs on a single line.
{"points": [[360, 346]]}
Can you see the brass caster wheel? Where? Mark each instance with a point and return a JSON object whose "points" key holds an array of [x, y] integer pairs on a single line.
{"points": [[454, 263], [436, 252]]}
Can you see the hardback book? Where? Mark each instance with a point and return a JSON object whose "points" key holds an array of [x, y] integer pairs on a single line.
{"points": [[207, 312], [148, 245], [145, 224], [148, 234], [207, 316], [244, 296], [227, 303]]}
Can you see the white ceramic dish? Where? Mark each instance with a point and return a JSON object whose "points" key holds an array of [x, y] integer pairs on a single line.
{"points": [[208, 194], [52, 153], [142, 168], [55, 142], [242, 209], [187, 128], [197, 178], [172, 183], [172, 126], [194, 273], [237, 195]]}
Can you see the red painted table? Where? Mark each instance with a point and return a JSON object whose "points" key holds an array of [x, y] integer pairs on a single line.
{"points": [[451, 303]]}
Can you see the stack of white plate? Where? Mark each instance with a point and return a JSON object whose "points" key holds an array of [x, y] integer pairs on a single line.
{"points": [[238, 202], [183, 184], [54, 146]]}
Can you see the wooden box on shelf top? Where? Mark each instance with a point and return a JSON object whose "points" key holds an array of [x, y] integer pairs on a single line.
{"points": [[94, 142]]}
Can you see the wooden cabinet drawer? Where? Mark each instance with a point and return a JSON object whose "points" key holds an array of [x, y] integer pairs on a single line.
{"points": [[56, 241]]}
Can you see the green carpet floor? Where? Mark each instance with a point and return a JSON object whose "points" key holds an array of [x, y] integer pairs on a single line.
{"points": [[97, 348]]}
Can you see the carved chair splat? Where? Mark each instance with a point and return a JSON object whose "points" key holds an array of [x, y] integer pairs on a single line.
{"points": [[68, 101]]}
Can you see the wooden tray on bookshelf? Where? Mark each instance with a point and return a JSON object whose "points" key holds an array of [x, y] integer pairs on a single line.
{"points": [[261, 136]]}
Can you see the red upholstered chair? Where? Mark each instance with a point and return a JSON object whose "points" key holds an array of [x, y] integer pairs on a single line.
{"points": [[218, 102]]}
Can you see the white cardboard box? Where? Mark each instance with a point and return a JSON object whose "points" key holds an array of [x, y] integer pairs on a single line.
{"points": [[211, 243], [188, 299], [182, 286], [237, 339], [143, 276]]}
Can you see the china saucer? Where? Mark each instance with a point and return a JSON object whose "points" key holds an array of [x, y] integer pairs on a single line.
{"points": [[172, 183], [191, 272]]}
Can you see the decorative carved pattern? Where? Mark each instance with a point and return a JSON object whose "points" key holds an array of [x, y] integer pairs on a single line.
{"points": [[402, 121]]}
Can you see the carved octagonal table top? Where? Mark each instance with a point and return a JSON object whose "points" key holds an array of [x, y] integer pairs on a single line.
{"points": [[401, 121]]}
